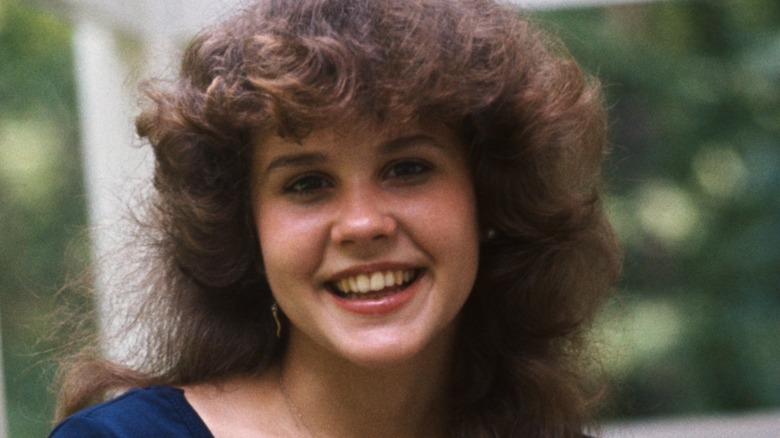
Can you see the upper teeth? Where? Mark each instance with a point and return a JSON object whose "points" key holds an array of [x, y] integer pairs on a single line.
{"points": [[374, 281]]}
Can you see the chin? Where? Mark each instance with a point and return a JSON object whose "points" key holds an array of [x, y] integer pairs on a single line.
{"points": [[382, 352]]}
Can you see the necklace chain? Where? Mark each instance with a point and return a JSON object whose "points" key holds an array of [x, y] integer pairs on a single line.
{"points": [[291, 406]]}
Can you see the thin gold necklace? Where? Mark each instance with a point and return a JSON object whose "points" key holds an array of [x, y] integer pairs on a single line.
{"points": [[291, 406]]}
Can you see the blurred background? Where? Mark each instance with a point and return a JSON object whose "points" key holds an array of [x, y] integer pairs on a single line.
{"points": [[693, 91]]}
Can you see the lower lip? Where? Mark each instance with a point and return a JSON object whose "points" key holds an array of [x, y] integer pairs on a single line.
{"points": [[378, 306]]}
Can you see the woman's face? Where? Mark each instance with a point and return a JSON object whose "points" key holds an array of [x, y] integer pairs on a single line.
{"points": [[369, 237]]}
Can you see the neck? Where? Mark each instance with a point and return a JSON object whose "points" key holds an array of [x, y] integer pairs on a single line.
{"points": [[337, 398]]}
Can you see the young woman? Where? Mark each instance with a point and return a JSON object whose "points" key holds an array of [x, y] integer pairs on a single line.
{"points": [[371, 219]]}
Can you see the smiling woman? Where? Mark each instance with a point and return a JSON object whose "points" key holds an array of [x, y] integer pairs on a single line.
{"points": [[333, 227], [370, 219]]}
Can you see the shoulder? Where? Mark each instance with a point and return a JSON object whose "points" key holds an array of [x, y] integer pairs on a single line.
{"points": [[159, 411]]}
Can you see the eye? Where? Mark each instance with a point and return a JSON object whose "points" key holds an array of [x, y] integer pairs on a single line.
{"points": [[408, 169], [307, 185]]}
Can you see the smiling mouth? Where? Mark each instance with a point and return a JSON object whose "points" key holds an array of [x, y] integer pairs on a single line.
{"points": [[373, 284]]}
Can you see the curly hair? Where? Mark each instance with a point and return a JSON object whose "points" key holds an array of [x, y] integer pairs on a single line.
{"points": [[536, 136]]}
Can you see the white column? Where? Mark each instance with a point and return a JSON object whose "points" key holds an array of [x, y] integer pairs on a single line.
{"points": [[114, 169], [117, 168]]}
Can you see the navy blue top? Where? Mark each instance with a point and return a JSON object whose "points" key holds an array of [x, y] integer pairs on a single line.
{"points": [[156, 411]]}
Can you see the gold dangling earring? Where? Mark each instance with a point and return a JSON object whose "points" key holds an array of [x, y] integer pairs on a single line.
{"points": [[275, 313]]}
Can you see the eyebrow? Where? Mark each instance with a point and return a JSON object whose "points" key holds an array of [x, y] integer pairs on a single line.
{"points": [[311, 158], [406, 142], [296, 160]]}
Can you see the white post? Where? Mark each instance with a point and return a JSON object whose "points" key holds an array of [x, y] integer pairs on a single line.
{"points": [[115, 171], [113, 168]]}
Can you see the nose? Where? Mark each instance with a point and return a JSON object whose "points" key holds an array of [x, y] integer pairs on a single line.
{"points": [[362, 218]]}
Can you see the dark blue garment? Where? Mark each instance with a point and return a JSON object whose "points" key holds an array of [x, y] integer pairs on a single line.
{"points": [[156, 411], [153, 412]]}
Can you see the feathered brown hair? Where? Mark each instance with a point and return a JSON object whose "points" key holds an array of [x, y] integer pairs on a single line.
{"points": [[535, 131]]}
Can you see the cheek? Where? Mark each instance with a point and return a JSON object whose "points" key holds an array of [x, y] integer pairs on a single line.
{"points": [[288, 241], [447, 222], [455, 213], [464, 231], [454, 227]]}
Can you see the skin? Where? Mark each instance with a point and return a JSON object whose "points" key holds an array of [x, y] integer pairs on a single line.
{"points": [[350, 200]]}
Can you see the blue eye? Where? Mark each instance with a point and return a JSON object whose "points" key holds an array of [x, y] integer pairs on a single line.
{"points": [[408, 169], [306, 184]]}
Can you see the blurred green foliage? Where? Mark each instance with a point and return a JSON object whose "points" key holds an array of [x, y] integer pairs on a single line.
{"points": [[693, 89], [42, 206]]}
